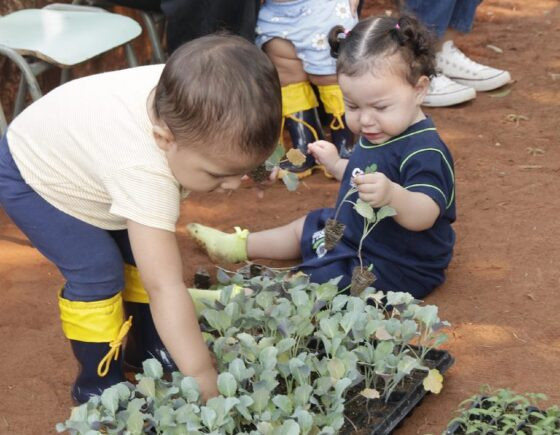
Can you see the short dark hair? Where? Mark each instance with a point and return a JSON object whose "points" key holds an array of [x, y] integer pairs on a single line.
{"points": [[221, 86], [377, 38]]}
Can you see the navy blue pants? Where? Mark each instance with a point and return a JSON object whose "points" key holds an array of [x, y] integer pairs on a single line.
{"points": [[90, 258], [439, 15]]}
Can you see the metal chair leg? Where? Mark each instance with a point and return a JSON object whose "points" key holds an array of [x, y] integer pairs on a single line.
{"points": [[27, 81], [130, 55], [155, 34], [3, 123]]}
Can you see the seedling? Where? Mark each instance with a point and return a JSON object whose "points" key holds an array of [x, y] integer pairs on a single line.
{"points": [[288, 353], [504, 412], [362, 276]]}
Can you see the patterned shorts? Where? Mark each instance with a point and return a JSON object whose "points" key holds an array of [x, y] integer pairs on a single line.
{"points": [[305, 23]]}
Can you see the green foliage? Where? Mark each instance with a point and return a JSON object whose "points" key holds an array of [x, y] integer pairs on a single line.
{"points": [[505, 412], [288, 353]]}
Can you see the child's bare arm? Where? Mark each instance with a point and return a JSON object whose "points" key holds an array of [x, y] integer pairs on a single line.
{"points": [[159, 261], [416, 211]]}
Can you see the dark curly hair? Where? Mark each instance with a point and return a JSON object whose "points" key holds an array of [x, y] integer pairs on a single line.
{"points": [[372, 43]]}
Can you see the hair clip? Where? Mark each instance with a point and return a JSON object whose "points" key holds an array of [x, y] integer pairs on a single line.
{"points": [[397, 26], [343, 35]]}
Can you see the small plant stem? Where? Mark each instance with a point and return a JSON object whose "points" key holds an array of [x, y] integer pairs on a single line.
{"points": [[350, 192], [352, 423]]}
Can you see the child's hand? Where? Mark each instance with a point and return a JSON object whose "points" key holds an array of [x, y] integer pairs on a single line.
{"points": [[375, 189], [208, 383], [325, 153]]}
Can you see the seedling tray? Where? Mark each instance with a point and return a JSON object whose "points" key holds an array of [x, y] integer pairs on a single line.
{"points": [[456, 429], [381, 418]]}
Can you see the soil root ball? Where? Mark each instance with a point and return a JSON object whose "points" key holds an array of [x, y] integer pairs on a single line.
{"points": [[333, 233], [361, 279]]}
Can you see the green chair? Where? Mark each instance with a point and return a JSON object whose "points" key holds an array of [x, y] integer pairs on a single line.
{"points": [[63, 36]]}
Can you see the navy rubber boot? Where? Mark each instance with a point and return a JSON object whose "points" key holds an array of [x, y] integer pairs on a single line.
{"points": [[301, 136], [143, 341], [343, 138], [88, 383]]}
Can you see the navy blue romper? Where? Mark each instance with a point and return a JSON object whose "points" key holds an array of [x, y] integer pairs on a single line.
{"points": [[403, 260]]}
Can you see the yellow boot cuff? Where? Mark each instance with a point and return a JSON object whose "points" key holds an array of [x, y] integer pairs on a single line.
{"points": [[91, 322], [333, 102], [298, 97], [134, 290]]}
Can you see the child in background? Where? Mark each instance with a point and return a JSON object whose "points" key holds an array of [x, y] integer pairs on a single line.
{"points": [[294, 34], [93, 174], [383, 67]]}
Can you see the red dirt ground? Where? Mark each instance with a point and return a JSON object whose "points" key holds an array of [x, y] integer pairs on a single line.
{"points": [[501, 295]]}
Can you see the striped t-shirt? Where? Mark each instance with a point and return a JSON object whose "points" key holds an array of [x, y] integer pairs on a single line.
{"points": [[87, 148]]}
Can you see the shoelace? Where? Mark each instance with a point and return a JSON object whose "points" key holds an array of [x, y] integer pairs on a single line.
{"points": [[466, 59]]}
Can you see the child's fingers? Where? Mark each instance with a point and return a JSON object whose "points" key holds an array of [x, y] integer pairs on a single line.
{"points": [[366, 178]]}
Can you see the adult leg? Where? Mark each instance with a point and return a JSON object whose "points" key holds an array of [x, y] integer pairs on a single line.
{"points": [[299, 104], [190, 19], [281, 243], [333, 103], [460, 68]]}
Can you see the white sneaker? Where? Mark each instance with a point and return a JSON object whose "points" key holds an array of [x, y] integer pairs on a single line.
{"points": [[454, 64], [445, 92]]}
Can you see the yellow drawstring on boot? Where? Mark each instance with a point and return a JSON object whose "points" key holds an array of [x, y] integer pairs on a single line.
{"points": [[333, 102], [115, 345]]}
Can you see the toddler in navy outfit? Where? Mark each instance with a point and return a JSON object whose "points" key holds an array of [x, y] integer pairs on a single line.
{"points": [[384, 65]]}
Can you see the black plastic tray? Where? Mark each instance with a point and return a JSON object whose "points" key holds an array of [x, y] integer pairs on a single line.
{"points": [[395, 411], [456, 427]]}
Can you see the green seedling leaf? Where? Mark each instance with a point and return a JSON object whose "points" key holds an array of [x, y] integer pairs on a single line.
{"points": [[302, 394], [285, 345], [208, 416], [384, 212], [267, 357], [289, 427], [189, 389], [327, 291], [275, 157], [238, 369], [336, 367], [291, 181], [399, 298], [329, 326], [219, 320], [364, 209], [260, 399], [135, 422], [227, 385], [147, 387], [152, 368], [110, 399], [371, 169], [284, 403], [305, 420], [164, 416]]}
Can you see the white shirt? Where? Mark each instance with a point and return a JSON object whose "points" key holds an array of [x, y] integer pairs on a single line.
{"points": [[87, 149]]}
